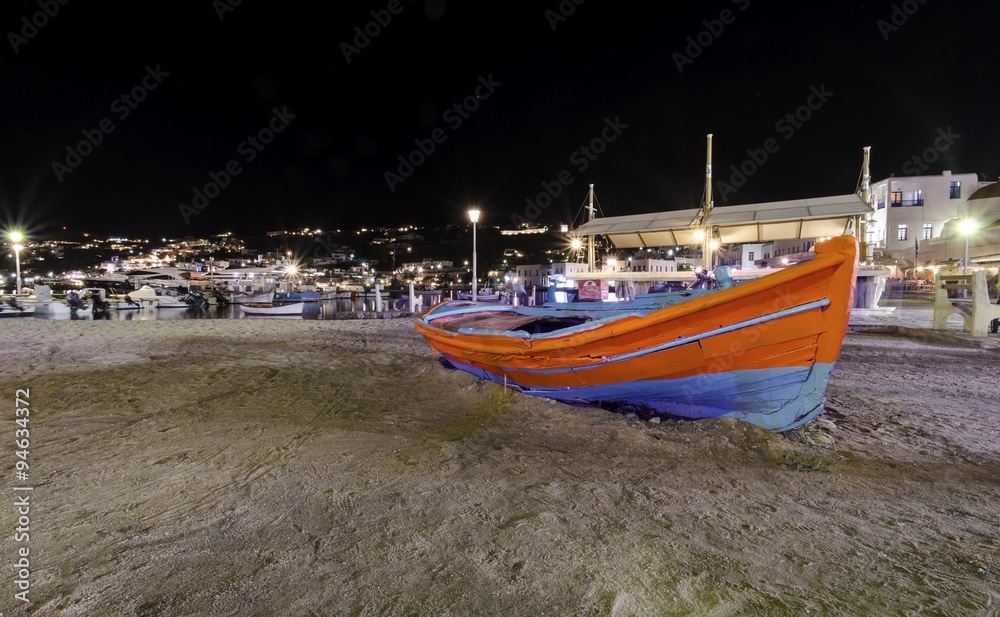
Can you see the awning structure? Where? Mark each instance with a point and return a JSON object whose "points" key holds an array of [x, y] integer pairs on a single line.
{"points": [[748, 223]]}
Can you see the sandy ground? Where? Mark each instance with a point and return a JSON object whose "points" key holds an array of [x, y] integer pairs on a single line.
{"points": [[236, 467]]}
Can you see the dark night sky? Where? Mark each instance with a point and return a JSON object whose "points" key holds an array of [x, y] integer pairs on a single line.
{"points": [[894, 88]]}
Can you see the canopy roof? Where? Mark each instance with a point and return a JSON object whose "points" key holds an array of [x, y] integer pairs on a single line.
{"points": [[779, 220]]}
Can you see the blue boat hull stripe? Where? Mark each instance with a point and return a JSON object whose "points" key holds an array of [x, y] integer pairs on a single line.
{"points": [[781, 398]]}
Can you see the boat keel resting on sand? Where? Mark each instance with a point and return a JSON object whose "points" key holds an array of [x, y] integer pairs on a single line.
{"points": [[760, 351]]}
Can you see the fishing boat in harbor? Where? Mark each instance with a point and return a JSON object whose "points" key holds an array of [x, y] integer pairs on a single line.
{"points": [[759, 350], [263, 309], [485, 295]]}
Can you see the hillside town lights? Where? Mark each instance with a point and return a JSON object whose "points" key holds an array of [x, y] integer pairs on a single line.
{"points": [[474, 217]]}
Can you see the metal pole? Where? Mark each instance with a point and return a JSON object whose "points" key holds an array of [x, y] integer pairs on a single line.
{"points": [[591, 258], [17, 265], [865, 191], [965, 262], [474, 296], [706, 245]]}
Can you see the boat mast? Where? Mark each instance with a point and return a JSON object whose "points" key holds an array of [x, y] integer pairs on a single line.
{"points": [[590, 238], [706, 208], [864, 191]]}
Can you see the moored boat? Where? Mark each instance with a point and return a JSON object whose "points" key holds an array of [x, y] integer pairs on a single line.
{"points": [[156, 297], [275, 310]]}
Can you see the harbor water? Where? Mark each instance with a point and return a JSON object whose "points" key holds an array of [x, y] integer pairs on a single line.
{"points": [[322, 309]]}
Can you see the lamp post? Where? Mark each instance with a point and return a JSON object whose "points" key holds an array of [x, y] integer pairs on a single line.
{"points": [[474, 217], [16, 237], [967, 227]]}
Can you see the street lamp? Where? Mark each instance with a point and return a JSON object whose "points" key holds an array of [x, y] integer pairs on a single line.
{"points": [[16, 237], [474, 217], [967, 227]]}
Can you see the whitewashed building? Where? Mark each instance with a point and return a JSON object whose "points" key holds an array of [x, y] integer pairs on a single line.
{"points": [[911, 209], [646, 264], [541, 275], [745, 256]]}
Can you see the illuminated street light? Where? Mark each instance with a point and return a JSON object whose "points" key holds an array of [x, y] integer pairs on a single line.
{"points": [[474, 217], [16, 237], [967, 227]]}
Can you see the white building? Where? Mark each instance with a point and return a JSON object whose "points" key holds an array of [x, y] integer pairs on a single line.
{"points": [[533, 275], [542, 275], [745, 256], [911, 209], [646, 264]]}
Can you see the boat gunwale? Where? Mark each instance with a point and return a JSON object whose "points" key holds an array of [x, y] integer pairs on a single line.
{"points": [[628, 323]]}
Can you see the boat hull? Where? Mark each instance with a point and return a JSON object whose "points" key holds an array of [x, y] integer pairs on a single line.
{"points": [[276, 310], [761, 351]]}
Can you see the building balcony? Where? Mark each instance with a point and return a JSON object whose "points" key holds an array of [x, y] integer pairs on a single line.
{"points": [[907, 202]]}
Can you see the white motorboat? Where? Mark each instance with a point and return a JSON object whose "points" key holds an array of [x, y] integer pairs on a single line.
{"points": [[173, 277], [157, 297]]}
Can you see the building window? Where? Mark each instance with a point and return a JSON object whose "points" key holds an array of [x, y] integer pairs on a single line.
{"points": [[956, 190], [897, 199], [901, 233], [750, 255], [918, 197], [928, 230], [870, 236]]}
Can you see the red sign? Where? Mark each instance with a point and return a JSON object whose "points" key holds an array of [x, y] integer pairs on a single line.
{"points": [[592, 291]]}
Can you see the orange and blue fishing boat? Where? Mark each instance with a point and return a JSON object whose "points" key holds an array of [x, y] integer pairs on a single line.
{"points": [[760, 351]]}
